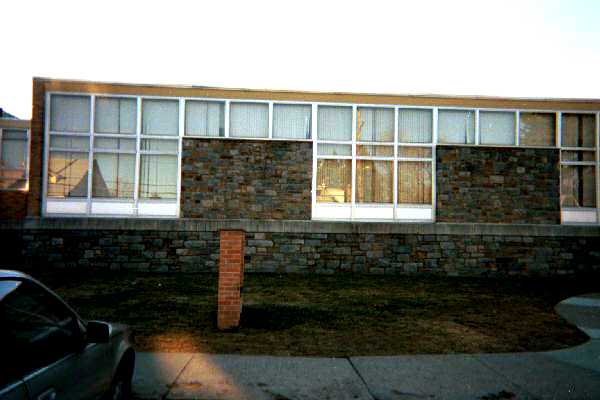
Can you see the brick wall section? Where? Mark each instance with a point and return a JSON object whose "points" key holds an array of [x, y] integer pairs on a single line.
{"points": [[498, 185], [13, 204], [34, 202], [303, 252], [231, 274], [231, 179]]}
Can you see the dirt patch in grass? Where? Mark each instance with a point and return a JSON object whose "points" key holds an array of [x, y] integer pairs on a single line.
{"points": [[341, 315]]}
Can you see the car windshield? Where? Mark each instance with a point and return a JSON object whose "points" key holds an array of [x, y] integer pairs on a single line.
{"points": [[7, 287]]}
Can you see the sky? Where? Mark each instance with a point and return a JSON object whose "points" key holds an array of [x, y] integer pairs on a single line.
{"points": [[502, 48]]}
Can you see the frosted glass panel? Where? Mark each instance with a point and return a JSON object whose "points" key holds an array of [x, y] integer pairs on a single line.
{"points": [[292, 121], [374, 124], [69, 142], [167, 146], [415, 125], [69, 113], [113, 176], [326, 149], [14, 149], [497, 127], [374, 181], [456, 126], [114, 144], [205, 118], [537, 129], [334, 181], [160, 117], [115, 115], [158, 175], [334, 123], [249, 120], [67, 174], [578, 130]]}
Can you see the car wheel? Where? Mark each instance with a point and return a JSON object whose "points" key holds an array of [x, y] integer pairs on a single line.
{"points": [[120, 388]]}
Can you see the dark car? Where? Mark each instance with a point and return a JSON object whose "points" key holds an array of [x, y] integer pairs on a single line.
{"points": [[48, 352]]}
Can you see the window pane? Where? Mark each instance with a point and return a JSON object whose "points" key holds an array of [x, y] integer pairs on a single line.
{"points": [[578, 186], [334, 150], [334, 123], [375, 151], [414, 182], [67, 174], [69, 142], [158, 175], [160, 117], [374, 181], [578, 155], [456, 126], [414, 152], [205, 118], [578, 130], [115, 115], [167, 146], [249, 120], [374, 124], [497, 127], [12, 179], [70, 113], [14, 149], [537, 129], [114, 144], [292, 121], [415, 125], [113, 175], [334, 181]]}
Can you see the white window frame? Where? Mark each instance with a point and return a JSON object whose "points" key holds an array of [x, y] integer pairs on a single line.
{"points": [[112, 207]]}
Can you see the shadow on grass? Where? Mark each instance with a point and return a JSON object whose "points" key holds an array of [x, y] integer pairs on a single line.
{"points": [[276, 317]]}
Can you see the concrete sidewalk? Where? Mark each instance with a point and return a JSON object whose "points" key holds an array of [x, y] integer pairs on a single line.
{"points": [[565, 374]]}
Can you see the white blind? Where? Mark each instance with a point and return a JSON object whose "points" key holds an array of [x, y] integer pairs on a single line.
{"points": [[160, 117], [292, 121], [204, 118], [415, 126], [456, 126], [249, 120], [69, 113], [497, 127], [375, 124], [115, 115], [334, 123]]}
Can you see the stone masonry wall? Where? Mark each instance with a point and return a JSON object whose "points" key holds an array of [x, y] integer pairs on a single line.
{"points": [[324, 248], [498, 185], [230, 179]]}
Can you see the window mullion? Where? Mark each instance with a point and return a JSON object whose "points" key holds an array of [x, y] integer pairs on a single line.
{"points": [[353, 199], [91, 156], [138, 140], [395, 166]]}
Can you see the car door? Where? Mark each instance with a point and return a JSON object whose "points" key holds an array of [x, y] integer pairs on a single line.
{"points": [[49, 350]]}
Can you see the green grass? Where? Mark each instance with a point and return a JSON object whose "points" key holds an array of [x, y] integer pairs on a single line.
{"points": [[338, 315]]}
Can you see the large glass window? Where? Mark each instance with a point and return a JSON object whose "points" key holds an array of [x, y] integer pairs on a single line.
{"points": [[578, 161], [374, 124], [456, 126], [13, 159], [497, 127], [292, 121], [126, 163], [205, 118], [334, 123], [415, 125], [69, 113], [334, 181], [537, 129], [160, 117], [374, 181], [249, 120]]}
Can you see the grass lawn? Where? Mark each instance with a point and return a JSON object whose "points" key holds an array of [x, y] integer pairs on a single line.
{"points": [[340, 315]]}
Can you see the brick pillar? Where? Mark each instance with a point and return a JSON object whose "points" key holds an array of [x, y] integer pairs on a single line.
{"points": [[231, 275]]}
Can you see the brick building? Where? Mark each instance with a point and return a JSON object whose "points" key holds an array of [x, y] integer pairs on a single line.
{"points": [[144, 177]]}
